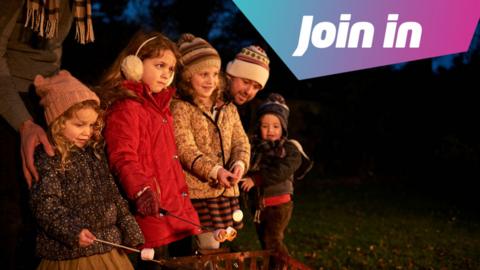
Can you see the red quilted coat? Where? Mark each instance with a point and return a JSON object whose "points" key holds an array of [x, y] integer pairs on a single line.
{"points": [[142, 153]]}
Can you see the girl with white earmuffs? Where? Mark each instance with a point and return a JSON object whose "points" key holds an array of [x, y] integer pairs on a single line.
{"points": [[141, 145]]}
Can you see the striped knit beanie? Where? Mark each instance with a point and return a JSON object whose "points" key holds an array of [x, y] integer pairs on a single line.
{"points": [[60, 92], [250, 63], [196, 53]]}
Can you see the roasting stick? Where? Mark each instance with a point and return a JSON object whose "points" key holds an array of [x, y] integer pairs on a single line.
{"points": [[167, 213], [127, 248], [117, 245]]}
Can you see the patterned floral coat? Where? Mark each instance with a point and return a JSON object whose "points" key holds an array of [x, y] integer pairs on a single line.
{"points": [[82, 196], [204, 141]]}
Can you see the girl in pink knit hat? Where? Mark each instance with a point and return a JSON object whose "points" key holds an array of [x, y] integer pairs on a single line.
{"points": [[76, 200]]}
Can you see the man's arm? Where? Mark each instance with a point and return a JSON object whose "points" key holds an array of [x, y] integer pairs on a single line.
{"points": [[12, 108]]}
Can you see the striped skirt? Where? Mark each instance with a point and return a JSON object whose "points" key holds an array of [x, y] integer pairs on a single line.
{"points": [[216, 213]]}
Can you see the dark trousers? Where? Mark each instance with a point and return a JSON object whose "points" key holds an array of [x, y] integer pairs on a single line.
{"points": [[17, 230], [273, 222], [17, 225]]}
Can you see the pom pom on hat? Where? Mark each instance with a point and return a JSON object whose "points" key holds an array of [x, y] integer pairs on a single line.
{"points": [[275, 104], [197, 53], [250, 63], [186, 37], [59, 92]]}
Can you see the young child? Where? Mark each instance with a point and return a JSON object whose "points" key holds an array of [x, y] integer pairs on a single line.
{"points": [[275, 159], [76, 201], [141, 144], [212, 145]]}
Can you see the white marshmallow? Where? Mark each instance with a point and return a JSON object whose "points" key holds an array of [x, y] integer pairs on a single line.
{"points": [[147, 254], [237, 215]]}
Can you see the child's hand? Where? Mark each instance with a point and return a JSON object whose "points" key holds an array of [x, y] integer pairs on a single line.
{"points": [[85, 238], [224, 176], [238, 173], [247, 184], [147, 203]]}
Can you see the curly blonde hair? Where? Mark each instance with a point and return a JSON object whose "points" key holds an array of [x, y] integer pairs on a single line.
{"points": [[63, 146]]}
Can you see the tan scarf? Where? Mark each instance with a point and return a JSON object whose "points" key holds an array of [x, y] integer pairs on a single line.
{"points": [[42, 15]]}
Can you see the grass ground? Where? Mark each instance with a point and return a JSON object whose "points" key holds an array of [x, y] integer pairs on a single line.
{"points": [[377, 227]]}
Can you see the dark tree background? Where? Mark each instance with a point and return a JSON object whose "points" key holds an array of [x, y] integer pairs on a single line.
{"points": [[407, 123]]}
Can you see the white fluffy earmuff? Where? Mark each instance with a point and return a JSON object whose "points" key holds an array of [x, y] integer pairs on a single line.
{"points": [[132, 65]]}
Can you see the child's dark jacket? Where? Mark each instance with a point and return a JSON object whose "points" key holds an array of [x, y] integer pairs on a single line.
{"points": [[273, 166], [82, 196]]}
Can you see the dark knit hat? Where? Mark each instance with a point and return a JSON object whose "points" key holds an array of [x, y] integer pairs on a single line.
{"points": [[275, 104]]}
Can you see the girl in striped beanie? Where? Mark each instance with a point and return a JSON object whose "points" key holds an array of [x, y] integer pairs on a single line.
{"points": [[212, 145]]}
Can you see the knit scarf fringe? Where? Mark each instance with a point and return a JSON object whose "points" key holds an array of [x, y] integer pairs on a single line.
{"points": [[37, 10]]}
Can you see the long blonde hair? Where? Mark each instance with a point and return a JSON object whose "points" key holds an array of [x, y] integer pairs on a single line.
{"points": [[63, 146], [110, 88], [186, 92]]}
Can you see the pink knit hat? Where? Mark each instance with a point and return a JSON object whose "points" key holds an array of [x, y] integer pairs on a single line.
{"points": [[59, 92]]}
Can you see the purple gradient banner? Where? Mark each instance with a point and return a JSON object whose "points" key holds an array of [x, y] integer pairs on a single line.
{"points": [[317, 38]]}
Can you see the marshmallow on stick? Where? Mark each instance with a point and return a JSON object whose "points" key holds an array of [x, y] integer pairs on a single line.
{"points": [[225, 234], [147, 254], [220, 235], [231, 233], [237, 215]]}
